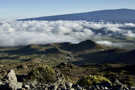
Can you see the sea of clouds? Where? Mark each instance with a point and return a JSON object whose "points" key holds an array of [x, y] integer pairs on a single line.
{"points": [[15, 33]]}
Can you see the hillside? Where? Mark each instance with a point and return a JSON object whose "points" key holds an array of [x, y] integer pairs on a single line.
{"points": [[114, 16], [86, 52]]}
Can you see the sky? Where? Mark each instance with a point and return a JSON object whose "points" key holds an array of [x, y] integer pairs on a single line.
{"points": [[35, 8]]}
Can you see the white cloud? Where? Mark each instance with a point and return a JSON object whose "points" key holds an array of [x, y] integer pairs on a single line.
{"points": [[130, 34], [14, 33], [107, 43]]}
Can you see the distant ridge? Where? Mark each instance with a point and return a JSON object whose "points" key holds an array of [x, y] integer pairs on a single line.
{"points": [[114, 16]]}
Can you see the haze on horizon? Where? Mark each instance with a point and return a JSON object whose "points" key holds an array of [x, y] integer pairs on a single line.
{"points": [[12, 9]]}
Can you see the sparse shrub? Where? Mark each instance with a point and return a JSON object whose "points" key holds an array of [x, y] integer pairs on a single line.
{"points": [[43, 74], [93, 80]]}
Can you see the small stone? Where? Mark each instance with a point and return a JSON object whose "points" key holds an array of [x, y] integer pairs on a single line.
{"points": [[71, 89], [1, 83], [79, 88], [34, 83], [19, 85], [27, 87], [97, 87], [46, 89], [68, 85], [23, 89], [1, 66], [106, 88]]}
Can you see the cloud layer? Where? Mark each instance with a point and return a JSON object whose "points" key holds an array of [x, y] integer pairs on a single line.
{"points": [[15, 33]]}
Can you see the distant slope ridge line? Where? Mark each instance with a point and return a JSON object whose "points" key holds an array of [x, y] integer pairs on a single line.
{"points": [[114, 16]]}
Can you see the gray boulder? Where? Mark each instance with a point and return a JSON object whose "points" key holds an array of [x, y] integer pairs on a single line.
{"points": [[12, 81]]}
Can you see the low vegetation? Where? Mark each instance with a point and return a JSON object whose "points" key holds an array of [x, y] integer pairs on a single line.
{"points": [[91, 80], [42, 73]]}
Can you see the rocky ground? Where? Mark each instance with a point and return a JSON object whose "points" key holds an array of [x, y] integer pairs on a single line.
{"points": [[10, 82]]}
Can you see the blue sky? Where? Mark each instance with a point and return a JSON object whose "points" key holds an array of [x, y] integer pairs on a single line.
{"points": [[35, 8]]}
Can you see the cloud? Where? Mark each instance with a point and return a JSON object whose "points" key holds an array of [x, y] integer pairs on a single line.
{"points": [[112, 44], [15, 33], [107, 43], [130, 34]]}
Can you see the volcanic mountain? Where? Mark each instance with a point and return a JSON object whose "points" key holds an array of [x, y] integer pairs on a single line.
{"points": [[114, 16]]}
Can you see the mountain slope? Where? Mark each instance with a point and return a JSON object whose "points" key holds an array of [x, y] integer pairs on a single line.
{"points": [[114, 16]]}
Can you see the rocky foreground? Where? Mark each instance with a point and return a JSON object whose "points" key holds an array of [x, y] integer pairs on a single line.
{"points": [[10, 82]]}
